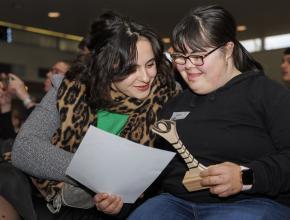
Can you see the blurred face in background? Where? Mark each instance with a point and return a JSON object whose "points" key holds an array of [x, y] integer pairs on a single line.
{"points": [[58, 68], [285, 68]]}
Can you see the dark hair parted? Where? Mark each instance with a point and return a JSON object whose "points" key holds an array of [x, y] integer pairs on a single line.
{"points": [[113, 55], [212, 26]]}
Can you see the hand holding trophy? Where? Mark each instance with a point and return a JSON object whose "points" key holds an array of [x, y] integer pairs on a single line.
{"points": [[167, 130]]}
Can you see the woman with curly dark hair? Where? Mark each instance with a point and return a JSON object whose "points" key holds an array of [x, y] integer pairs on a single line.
{"points": [[119, 85]]}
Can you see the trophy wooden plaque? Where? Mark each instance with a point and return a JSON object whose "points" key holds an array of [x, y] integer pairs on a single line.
{"points": [[167, 130]]}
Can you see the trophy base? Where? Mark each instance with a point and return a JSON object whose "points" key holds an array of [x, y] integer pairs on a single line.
{"points": [[191, 180]]}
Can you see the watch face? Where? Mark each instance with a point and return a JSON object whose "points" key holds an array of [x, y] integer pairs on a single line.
{"points": [[247, 177]]}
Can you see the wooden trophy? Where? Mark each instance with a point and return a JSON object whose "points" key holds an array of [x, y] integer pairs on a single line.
{"points": [[167, 130]]}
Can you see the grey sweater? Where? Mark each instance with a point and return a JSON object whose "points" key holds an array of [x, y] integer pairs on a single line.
{"points": [[32, 150], [34, 154]]}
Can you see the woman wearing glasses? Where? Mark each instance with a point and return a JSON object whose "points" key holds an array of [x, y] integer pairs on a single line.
{"points": [[232, 119]]}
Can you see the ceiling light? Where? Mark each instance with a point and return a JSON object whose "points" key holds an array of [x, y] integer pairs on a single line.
{"points": [[277, 41], [53, 14], [241, 28], [252, 45]]}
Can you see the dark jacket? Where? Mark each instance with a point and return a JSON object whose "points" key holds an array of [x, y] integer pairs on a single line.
{"points": [[247, 121]]}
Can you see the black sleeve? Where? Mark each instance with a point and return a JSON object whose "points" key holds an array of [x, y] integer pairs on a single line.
{"points": [[272, 172], [6, 127]]}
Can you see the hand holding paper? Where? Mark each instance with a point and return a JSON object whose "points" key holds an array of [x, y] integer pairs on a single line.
{"points": [[108, 163]]}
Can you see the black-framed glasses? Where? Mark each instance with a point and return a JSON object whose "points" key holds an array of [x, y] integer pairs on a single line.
{"points": [[197, 60]]}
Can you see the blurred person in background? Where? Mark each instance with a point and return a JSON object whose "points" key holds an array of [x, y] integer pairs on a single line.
{"points": [[60, 67], [12, 86], [11, 119], [285, 66]]}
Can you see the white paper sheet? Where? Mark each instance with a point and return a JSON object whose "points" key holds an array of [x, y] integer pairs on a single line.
{"points": [[108, 163]]}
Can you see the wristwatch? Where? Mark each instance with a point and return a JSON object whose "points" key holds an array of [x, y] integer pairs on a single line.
{"points": [[247, 177]]}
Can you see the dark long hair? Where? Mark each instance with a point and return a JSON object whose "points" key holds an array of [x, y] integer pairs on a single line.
{"points": [[212, 26], [113, 54]]}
